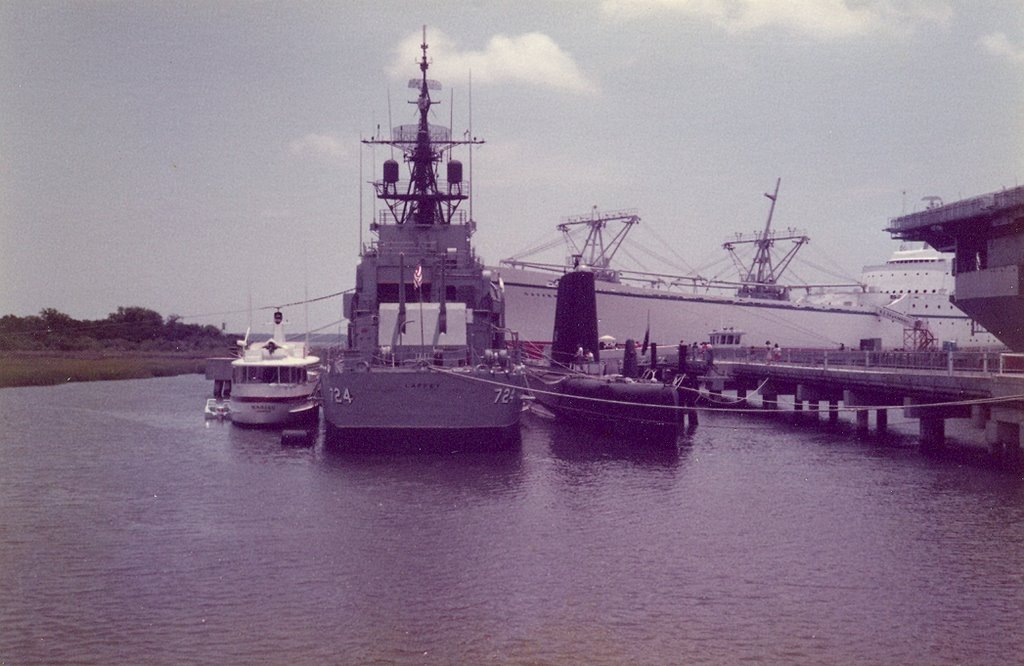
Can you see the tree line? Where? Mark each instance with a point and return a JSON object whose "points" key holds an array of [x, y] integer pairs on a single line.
{"points": [[129, 329]]}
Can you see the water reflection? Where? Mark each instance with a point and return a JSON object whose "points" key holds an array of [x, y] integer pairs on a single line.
{"points": [[773, 538], [265, 445], [476, 470], [571, 443]]}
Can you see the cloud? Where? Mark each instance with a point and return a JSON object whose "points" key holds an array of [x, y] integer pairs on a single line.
{"points": [[998, 44], [276, 214], [323, 146], [820, 19], [532, 59], [501, 163]]}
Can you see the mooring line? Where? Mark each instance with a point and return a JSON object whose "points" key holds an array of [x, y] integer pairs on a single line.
{"points": [[749, 410]]}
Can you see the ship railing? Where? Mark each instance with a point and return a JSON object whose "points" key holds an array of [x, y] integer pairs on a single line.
{"points": [[385, 217], [444, 187], [342, 360], [1011, 364], [426, 355], [427, 248], [471, 272], [895, 315], [340, 353], [959, 210], [409, 247], [1009, 198]]}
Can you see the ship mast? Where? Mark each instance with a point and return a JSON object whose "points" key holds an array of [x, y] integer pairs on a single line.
{"points": [[424, 180], [423, 199], [760, 278]]}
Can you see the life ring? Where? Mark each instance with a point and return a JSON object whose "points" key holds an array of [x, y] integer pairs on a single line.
{"points": [[363, 366]]}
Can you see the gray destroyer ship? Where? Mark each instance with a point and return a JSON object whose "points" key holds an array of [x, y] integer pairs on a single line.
{"points": [[426, 365]]}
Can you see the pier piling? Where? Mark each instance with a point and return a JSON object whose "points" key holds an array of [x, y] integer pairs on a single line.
{"points": [[979, 415], [931, 394], [933, 431]]}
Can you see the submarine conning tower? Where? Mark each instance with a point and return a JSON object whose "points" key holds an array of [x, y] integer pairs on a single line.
{"points": [[575, 318]]}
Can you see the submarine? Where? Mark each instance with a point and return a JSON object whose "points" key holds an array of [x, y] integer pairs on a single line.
{"points": [[576, 387]]}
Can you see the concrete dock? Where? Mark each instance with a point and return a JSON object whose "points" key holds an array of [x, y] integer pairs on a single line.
{"points": [[987, 388]]}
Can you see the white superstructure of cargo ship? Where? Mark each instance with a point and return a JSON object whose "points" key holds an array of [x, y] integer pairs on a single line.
{"points": [[903, 303]]}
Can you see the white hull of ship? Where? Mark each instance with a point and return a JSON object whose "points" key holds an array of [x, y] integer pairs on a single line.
{"points": [[624, 311], [273, 407]]}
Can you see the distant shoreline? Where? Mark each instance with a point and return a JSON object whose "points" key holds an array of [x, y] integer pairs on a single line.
{"points": [[48, 368]]}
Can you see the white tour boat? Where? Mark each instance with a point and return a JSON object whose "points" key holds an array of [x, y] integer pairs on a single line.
{"points": [[274, 382]]}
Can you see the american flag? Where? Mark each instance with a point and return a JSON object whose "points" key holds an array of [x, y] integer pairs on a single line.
{"points": [[417, 276]]}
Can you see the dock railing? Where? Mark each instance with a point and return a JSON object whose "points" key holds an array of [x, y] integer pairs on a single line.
{"points": [[988, 362]]}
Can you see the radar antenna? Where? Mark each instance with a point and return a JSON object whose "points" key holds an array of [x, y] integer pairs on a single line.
{"points": [[423, 199]]}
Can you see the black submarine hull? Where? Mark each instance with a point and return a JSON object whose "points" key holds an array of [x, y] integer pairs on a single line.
{"points": [[648, 412]]}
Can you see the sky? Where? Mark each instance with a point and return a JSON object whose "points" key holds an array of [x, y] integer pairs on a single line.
{"points": [[196, 157]]}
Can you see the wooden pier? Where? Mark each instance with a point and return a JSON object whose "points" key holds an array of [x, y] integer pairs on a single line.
{"points": [[987, 388]]}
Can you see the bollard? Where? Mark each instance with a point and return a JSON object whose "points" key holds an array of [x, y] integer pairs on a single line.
{"points": [[298, 437], [629, 366]]}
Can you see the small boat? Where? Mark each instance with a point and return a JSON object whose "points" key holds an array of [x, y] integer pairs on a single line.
{"points": [[426, 364], [217, 409], [274, 382]]}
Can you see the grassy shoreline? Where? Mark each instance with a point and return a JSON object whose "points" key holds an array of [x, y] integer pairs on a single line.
{"points": [[23, 368]]}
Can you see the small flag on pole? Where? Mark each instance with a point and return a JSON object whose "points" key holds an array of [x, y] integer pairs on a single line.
{"points": [[417, 276]]}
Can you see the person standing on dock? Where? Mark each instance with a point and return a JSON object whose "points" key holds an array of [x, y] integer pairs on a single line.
{"points": [[768, 352]]}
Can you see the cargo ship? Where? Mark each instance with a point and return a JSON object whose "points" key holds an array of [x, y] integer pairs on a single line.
{"points": [[903, 303]]}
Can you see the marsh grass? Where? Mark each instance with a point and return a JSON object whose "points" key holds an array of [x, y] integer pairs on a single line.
{"points": [[41, 369]]}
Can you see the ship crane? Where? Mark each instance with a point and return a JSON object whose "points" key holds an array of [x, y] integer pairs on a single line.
{"points": [[594, 252], [760, 278]]}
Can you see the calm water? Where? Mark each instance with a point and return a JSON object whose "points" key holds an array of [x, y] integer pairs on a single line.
{"points": [[131, 531]]}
